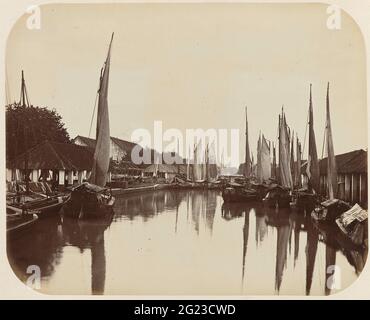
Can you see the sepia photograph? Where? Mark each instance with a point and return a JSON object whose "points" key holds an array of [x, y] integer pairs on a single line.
{"points": [[186, 149]]}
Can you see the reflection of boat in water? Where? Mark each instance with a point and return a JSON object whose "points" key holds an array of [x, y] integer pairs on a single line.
{"points": [[245, 240], [19, 222], [336, 241], [283, 237], [40, 245], [89, 234], [311, 250], [231, 211]]}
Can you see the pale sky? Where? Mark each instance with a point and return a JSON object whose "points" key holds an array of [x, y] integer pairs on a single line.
{"points": [[196, 66]]}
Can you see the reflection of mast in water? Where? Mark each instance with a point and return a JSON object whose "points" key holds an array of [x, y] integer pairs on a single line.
{"points": [[283, 234], [297, 228], [245, 240], [98, 265], [89, 234], [330, 258], [196, 204], [211, 202], [177, 214], [261, 228], [311, 249], [187, 206]]}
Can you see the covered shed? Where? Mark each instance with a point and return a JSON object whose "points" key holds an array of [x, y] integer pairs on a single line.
{"points": [[65, 163], [352, 176], [166, 171]]}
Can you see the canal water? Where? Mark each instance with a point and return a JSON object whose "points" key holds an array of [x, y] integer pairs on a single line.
{"points": [[187, 243]]}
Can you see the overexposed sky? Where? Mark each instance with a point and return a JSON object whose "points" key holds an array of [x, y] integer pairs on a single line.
{"points": [[196, 66]]}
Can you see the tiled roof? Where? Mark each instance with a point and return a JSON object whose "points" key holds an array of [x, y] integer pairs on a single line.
{"points": [[56, 156]]}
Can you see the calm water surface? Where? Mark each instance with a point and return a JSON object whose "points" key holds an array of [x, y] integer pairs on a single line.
{"points": [[186, 243]]}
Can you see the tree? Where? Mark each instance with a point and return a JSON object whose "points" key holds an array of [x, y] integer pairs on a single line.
{"points": [[27, 126]]}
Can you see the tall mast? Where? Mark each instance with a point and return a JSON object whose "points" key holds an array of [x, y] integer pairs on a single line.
{"points": [[274, 175], [23, 101], [206, 162], [102, 148], [332, 168], [298, 166], [292, 170], [313, 172], [247, 166]]}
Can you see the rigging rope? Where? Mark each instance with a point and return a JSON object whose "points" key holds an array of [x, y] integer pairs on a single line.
{"points": [[323, 143], [305, 133], [93, 114]]}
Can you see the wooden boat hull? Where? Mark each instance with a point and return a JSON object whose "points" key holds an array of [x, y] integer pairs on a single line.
{"points": [[89, 201], [235, 195], [305, 200], [281, 202], [278, 198], [45, 207], [17, 224], [329, 214]]}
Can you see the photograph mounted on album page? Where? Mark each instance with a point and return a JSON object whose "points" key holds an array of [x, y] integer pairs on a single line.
{"points": [[185, 149]]}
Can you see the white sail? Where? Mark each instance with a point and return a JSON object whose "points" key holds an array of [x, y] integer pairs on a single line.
{"points": [[102, 148], [212, 163], [284, 159], [263, 160], [197, 166]]}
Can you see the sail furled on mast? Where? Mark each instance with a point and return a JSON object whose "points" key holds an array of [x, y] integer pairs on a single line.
{"points": [[274, 173], [212, 162], [247, 165], [259, 162], [284, 155], [102, 148], [188, 167], [298, 181], [332, 167], [198, 170], [263, 160], [292, 163], [312, 170]]}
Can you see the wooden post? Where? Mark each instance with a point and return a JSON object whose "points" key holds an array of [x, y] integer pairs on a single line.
{"points": [[61, 177], [355, 187], [347, 187], [34, 175], [79, 176], [70, 177], [9, 174], [360, 189], [363, 191]]}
